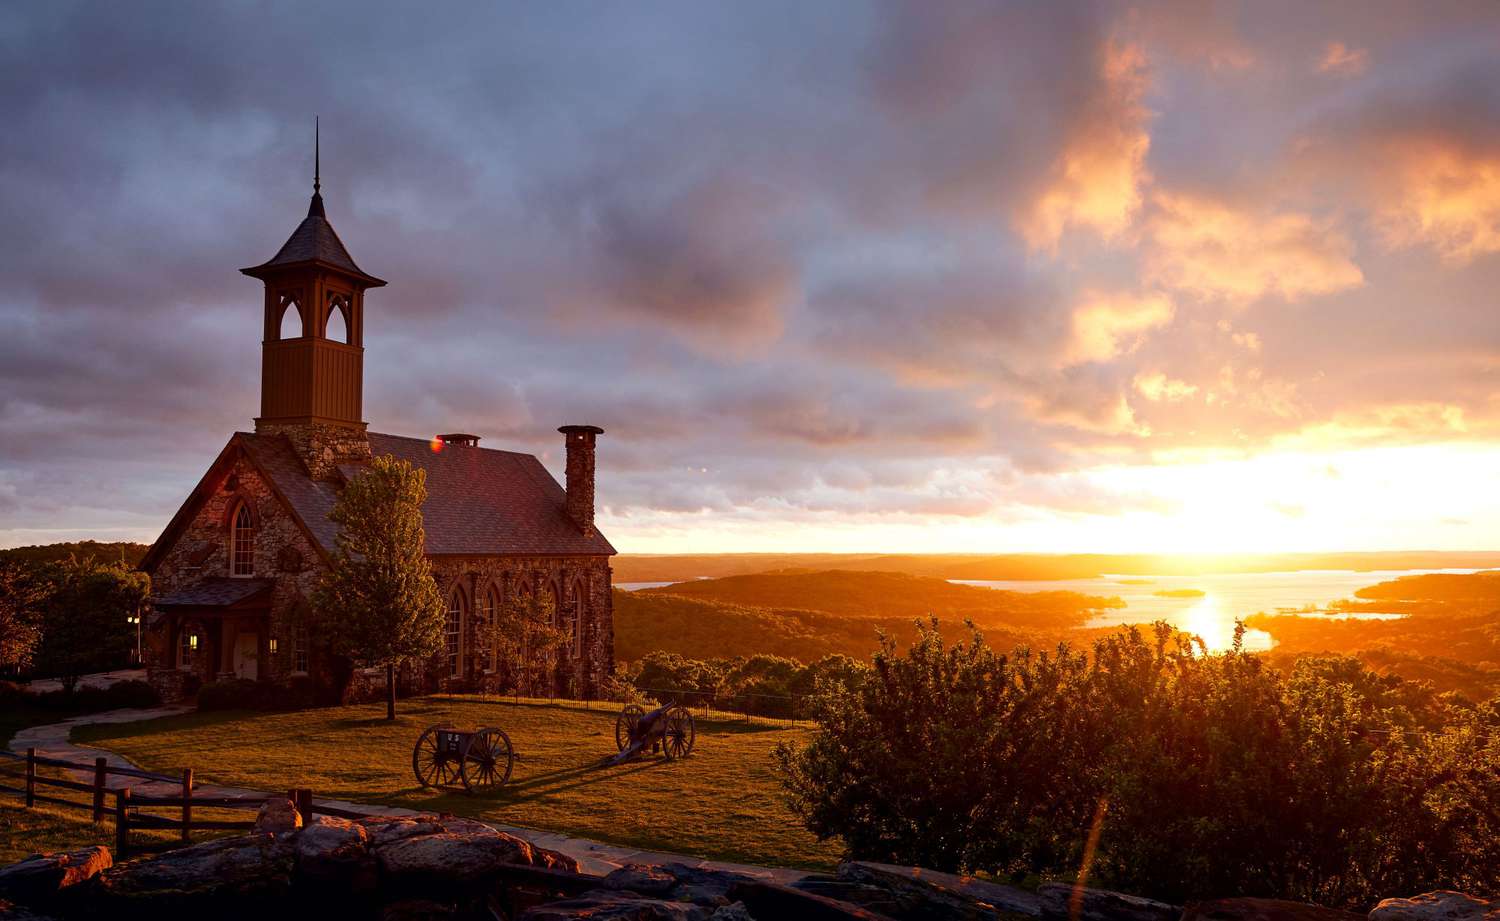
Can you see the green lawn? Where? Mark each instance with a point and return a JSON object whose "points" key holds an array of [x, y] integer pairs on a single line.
{"points": [[24, 832], [724, 802]]}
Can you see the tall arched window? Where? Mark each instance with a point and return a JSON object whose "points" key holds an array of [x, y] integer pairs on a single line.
{"points": [[489, 610], [579, 594], [242, 543], [338, 318], [454, 634], [291, 320]]}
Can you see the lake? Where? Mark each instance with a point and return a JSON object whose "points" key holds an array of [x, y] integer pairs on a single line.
{"points": [[1226, 596]]}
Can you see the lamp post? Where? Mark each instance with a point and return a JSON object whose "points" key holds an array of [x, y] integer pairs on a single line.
{"points": [[136, 620]]}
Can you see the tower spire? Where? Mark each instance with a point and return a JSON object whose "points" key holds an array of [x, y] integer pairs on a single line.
{"points": [[316, 208]]}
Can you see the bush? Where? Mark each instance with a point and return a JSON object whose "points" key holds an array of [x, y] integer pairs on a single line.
{"points": [[232, 694], [295, 693], [135, 693], [1200, 774]]}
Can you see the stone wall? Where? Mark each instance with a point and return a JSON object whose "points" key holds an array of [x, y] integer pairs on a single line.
{"points": [[321, 447], [283, 554], [585, 674]]}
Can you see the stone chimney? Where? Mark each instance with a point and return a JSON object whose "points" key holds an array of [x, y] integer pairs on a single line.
{"points": [[580, 442]]}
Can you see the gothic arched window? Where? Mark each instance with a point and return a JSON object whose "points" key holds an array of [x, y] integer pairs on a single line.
{"points": [[489, 611], [291, 319], [576, 618], [454, 634], [242, 543], [338, 326]]}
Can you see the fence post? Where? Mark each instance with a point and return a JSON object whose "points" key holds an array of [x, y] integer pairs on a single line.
{"points": [[187, 801], [122, 821], [305, 804], [99, 772], [30, 777]]}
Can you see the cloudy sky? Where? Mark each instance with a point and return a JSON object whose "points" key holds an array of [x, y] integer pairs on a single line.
{"points": [[833, 276]]}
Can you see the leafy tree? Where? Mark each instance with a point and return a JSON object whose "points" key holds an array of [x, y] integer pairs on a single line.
{"points": [[379, 598], [526, 638], [21, 597], [85, 622]]}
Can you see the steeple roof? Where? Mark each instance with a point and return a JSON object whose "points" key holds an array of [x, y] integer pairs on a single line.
{"points": [[314, 242]]}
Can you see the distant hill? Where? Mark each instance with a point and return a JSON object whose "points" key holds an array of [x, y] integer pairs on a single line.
{"points": [[111, 552], [1032, 566], [703, 629], [894, 595]]}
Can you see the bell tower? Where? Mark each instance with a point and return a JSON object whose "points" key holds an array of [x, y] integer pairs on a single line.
{"points": [[312, 384]]}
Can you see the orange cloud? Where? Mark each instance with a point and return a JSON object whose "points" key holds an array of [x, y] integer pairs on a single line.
{"points": [[1340, 59], [1446, 198], [1096, 180], [1106, 325], [1213, 250], [1158, 388]]}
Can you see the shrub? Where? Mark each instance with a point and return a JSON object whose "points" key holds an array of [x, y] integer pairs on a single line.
{"points": [[1199, 774], [232, 694], [135, 693]]}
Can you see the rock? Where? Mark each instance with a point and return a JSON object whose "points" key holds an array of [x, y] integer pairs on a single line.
{"points": [[388, 829], [11, 912], [1262, 910], [1101, 905], [647, 880], [920, 894], [277, 816], [243, 876], [447, 858], [703, 886], [607, 905], [554, 860], [42, 876], [1442, 905], [468, 827], [418, 910], [734, 912], [331, 850]]}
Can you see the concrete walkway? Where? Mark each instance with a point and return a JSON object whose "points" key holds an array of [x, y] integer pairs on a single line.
{"points": [[54, 740]]}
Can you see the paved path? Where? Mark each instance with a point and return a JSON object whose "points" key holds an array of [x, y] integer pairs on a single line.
{"points": [[54, 741]]}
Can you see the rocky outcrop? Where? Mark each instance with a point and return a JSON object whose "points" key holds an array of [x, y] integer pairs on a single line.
{"points": [[1442, 905], [230, 877], [608, 905], [41, 877], [1064, 902], [9, 911], [1262, 910], [915, 894]]}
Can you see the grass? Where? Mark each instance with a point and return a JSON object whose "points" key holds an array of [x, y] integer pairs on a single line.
{"points": [[24, 832], [724, 802]]}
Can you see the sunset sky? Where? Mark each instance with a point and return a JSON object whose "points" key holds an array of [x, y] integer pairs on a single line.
{"points": [[832, 276]]}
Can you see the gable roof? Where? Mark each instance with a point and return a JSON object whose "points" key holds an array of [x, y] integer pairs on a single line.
{"points": [[480, 501]]}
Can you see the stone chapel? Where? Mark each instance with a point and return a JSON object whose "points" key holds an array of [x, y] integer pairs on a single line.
{"points": [[233, 570]]}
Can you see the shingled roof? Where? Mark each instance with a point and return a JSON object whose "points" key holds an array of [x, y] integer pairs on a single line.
{"points": [[480, 502], [215, 592], [314, 241]]}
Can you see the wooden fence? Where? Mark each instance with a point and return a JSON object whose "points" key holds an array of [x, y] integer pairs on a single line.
{"points": [[126, 809]]}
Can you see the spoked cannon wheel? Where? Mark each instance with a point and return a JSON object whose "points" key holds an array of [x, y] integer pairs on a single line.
{"points": [[678, 734], [433, 766], [625, 725], [489, 760]]}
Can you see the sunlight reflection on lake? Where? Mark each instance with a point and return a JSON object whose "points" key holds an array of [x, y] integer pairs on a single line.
{"points": [[1226, 596]]}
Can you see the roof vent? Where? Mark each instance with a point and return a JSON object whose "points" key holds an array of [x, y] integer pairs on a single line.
{"points": [[460, 438]]}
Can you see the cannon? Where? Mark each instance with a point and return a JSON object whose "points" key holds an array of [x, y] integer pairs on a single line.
{"points": [[669, 729], [448, 757]]}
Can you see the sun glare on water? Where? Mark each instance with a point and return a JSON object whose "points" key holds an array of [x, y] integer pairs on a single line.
{"points": [[1208, 621]]}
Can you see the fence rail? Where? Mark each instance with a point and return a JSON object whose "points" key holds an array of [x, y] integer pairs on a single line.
{"points": [[126, 807]]}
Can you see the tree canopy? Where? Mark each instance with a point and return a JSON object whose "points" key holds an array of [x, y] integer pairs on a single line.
{"points": [[378, 599]]}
